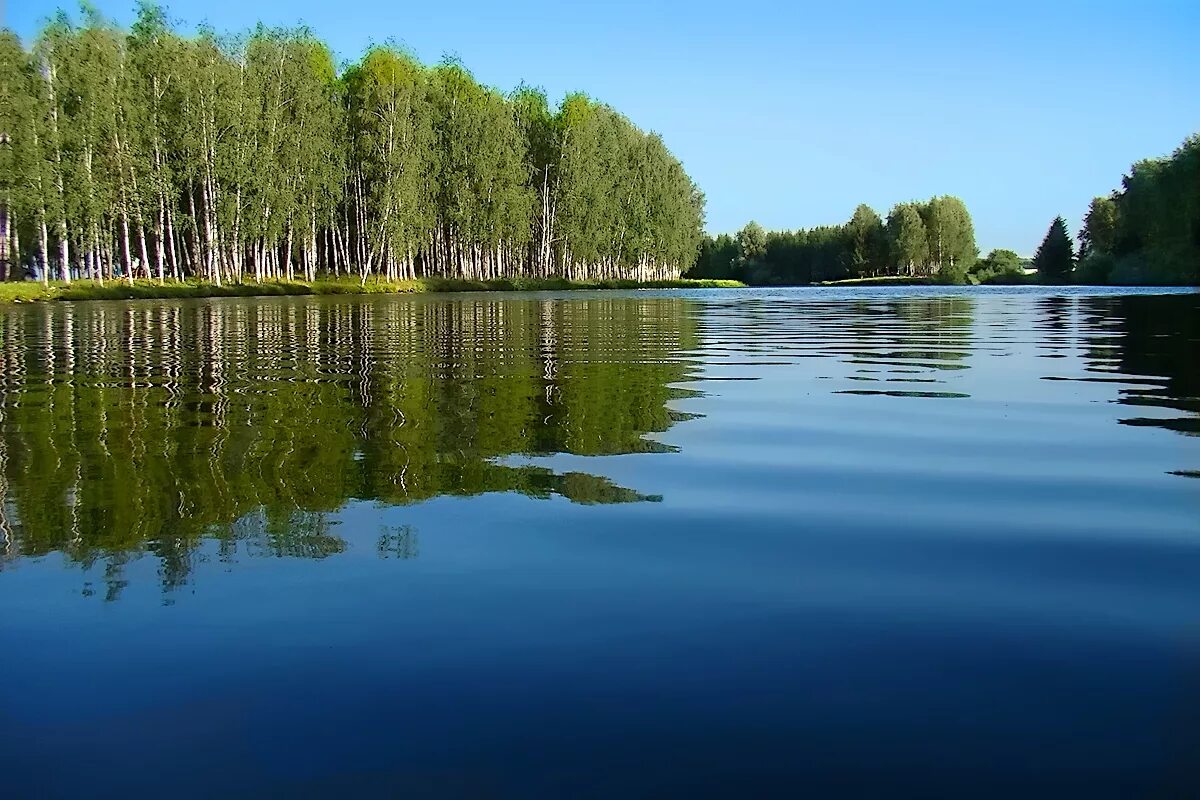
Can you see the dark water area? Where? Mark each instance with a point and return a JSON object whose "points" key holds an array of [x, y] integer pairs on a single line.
{"points": [[900, 542]]}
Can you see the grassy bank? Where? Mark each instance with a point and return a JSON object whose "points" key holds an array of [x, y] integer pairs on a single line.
{"points": [[28, 291]]}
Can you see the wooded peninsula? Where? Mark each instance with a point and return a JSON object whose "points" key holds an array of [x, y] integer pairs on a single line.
{"points": [[254, 164]]}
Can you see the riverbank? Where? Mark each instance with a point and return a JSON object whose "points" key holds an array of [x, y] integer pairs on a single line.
{"points": [[31, 292]]}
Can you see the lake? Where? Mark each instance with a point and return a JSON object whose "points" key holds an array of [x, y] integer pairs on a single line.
{"points": [[892, 542]]}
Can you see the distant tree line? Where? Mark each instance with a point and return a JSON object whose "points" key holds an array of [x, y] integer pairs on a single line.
{"points": [[934, 240], [1147, 232], [145, 153]]}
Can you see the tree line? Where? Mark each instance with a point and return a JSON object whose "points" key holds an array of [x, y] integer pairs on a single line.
{"points": [[934, 240], [1146, 232], [146, 153]]}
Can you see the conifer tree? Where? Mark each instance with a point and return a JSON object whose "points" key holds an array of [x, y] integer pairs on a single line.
{"points": [[1055, 258]]}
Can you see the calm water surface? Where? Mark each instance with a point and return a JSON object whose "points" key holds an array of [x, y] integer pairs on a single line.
{"points": [[899, 542]]}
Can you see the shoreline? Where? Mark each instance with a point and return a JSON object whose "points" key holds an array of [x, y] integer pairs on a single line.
{"points": [[86, 289]]}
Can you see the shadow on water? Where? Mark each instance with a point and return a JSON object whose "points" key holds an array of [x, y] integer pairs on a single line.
{"points": [[1150, 345], [152, 429]]}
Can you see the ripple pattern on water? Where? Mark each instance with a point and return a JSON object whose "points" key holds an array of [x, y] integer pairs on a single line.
{"points": [[718, 543]]}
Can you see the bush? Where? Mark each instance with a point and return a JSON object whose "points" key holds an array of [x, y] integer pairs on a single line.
{"points": [[1005, 276], [1000, 267]]}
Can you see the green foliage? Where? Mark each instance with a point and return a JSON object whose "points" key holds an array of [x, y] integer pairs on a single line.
{"points": [[867, 242], [1148, 231], [1000, 261], [391, 159], [623, 203], [1055, 258], [1096, 269], [908, 239], [751, 242], [1101, 228], [950, 237], [999, 267], [716, 257]]}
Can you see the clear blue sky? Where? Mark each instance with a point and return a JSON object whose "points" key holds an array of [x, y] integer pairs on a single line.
{"points": [[793, 113]]}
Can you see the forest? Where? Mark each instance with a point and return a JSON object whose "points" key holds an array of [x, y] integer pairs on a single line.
{"points": [[144, 153], [934, 240]]}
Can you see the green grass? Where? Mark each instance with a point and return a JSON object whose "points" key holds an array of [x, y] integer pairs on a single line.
{"points": [[24, 292], [27, 291]]}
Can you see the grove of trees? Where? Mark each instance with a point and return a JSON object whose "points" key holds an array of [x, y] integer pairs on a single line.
{"points": [[149, 154], [935, 239]]}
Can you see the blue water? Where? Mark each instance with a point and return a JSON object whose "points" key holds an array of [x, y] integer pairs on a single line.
{"points": [[906, 542]]}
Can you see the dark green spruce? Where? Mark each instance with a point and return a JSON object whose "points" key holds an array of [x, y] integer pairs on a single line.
{"points": [[1055, 258]]}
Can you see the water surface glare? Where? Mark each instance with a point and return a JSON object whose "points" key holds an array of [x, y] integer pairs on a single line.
{"points": [[915, 542]]}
